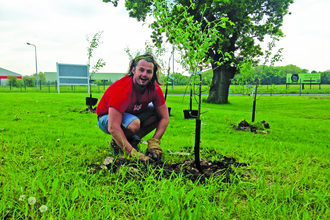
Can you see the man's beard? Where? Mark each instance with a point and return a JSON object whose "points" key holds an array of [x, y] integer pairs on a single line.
{"points": [[144, 85]]}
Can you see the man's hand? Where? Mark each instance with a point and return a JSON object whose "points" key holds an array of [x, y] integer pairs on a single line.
{"points": [[140, 156], [154, 151]]}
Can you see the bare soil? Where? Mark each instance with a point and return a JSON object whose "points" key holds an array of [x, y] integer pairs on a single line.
{"points": [[260, 127], [223, 168]]}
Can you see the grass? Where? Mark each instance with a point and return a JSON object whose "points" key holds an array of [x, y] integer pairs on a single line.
{"points": [[48, 142]]}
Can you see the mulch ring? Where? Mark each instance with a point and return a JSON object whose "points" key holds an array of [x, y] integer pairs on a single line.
{"points": [[258, 127], [187, 168]]}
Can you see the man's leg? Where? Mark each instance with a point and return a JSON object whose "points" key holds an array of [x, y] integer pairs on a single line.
{"points": [[136, 130], [147, 126], [134, 127], [130, 132], [130, 126], [149, 121]]}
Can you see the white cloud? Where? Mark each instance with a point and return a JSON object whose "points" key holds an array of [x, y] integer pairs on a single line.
{"points": [[306, 44], [59, 27]]}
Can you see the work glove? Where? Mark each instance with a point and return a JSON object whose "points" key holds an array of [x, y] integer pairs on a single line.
{"points": [[140, 156], [154, 151]]}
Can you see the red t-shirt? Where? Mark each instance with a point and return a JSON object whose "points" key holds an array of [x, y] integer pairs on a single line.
{"points": [[122, 96]]}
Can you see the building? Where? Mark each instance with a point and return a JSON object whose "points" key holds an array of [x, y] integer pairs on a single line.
{"points": [[4, 76], [52, 76]]}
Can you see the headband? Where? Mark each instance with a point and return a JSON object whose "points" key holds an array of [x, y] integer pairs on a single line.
{"points": [[143, 57]]}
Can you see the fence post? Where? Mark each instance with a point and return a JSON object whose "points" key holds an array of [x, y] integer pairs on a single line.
{"points": [[48, 87], [300, 87]]}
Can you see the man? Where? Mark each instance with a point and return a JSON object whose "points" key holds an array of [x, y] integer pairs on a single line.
{"points": [[132, 107]]}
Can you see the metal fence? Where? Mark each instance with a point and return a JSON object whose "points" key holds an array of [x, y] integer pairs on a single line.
{"points": [[233, 89], [282, 89], [53, 88]]}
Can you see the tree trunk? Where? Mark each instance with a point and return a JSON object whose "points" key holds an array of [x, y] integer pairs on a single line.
{"points": [[220, 84]]}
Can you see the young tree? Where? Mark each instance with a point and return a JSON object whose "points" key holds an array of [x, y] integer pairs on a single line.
{"points": [[93, 44], [253, 20]]}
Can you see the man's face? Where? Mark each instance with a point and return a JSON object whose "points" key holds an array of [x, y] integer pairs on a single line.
{"points": [[143, 73]]}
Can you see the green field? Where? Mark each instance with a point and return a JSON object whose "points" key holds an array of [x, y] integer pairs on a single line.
{"points": [[49, 141]]}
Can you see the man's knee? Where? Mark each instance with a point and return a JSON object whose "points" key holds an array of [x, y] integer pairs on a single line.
{"points": [[134, 126]]}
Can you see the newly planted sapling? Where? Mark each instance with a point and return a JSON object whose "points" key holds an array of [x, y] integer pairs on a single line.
{"points": [[93, 44], [247, 71], [193, 40]]}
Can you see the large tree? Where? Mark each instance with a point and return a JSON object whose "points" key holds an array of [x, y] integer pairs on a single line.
{"points": [[253, 20]]}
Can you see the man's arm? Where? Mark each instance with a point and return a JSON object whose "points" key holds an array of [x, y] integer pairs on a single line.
{"points": [[114, 127], [154, 151], [162, 113]]}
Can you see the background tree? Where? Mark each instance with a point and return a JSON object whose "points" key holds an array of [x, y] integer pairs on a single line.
{"points": [[253, 20], [325, 77], [305, 71], [180, 79], [41, 78], [291, 69], [28, 81], [12, 81]]}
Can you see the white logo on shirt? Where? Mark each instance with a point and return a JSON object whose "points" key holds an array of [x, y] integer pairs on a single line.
{"points": [[137, 107]]}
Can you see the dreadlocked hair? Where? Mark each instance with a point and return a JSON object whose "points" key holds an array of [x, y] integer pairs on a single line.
{"points": [[156, 70]]}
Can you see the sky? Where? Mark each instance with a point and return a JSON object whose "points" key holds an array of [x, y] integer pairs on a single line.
{"points": [[58, 29]]}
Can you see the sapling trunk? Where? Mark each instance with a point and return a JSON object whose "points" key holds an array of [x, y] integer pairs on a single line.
{"points": [[254, 103], [190, 104], [198, 127], [168, 74], [197, 143]]}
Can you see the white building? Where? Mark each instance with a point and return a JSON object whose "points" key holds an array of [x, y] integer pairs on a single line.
{"points": [[4, 76]]}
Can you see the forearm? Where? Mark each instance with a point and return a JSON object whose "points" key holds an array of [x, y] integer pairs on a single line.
{"points": [[161, 128], [121, 140]]}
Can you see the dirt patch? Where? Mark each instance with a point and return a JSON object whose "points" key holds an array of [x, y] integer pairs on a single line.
{"points": [[92, 110], [85, 110], [319, 97], [258, 127], [223, 168]]}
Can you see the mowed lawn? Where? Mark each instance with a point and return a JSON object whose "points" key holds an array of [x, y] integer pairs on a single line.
{"points": [[49, 141]]}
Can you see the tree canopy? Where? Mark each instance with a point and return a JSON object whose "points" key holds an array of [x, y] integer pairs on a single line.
{"points": [[252, 19]]}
